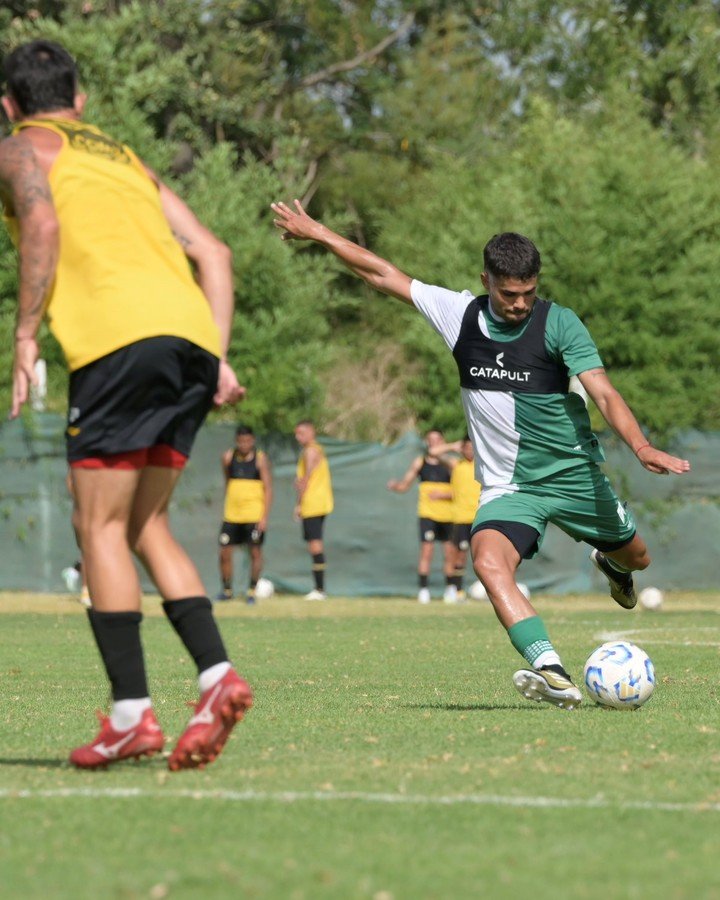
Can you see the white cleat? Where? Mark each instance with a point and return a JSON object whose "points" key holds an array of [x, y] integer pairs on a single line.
{"points": [[315, 594], [547, 686], [424, 595], [450, 594]]}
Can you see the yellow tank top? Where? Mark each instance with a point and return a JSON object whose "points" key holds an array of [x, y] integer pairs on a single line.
{"points": [[245, 492], [434, 477], [121, 276], [466, 492], [318, 497]]}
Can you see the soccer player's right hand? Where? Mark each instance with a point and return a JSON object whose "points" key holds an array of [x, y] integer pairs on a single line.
{"points": [[229, 390], [294, 223], [26, 355]]}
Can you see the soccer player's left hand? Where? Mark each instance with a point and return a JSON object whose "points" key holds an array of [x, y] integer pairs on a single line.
{"points": [[229, 390], [26, 355], [662, 463]]}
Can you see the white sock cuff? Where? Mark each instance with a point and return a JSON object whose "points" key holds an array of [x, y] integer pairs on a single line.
{"points": [[208, 678], [126, 714]]}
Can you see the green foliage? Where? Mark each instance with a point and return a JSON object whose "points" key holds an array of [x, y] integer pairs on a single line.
{"points": [[629, 229], [420, 129]]}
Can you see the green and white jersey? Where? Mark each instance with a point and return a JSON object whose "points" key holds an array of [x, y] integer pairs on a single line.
{"points": [[524, 422]]}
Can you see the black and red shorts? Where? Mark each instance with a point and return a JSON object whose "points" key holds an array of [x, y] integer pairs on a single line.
{"points": [[140, 405]]}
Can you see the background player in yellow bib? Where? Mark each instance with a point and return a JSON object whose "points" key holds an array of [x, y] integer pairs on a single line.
{"points": [[314, 501], [434, 511], [465, 492], [104, 250], [248, 498]]}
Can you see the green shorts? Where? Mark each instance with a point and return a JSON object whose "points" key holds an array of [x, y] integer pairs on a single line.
{"points": [[579, 500]]}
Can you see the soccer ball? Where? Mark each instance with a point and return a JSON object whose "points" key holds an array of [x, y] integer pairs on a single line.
{"points": [[619, 675], [477, 591], [264, 589], [651, 598]]}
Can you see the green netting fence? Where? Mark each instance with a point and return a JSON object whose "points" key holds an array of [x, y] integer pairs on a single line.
{"points": [[371, 538]]}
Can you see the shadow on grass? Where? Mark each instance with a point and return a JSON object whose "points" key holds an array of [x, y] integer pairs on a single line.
{"points": [[475, 707], [34, 763], [63, 763]]}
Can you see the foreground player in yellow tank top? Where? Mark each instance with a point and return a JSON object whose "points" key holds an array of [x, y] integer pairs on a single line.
{"points": [[105, 251]]}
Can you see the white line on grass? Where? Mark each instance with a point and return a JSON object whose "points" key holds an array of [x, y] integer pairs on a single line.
{"points": [[647, 636], [357, 796]]}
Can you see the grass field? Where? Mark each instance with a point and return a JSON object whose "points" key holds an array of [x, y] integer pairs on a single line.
{"points": [[388, 756]]}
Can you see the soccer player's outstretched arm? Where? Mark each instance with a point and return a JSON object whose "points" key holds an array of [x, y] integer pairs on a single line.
{"points": [[296, 224], [26, 193], [619, 417]]}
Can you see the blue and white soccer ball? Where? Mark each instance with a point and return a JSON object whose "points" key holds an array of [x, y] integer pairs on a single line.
{"points": [[619, 675]]}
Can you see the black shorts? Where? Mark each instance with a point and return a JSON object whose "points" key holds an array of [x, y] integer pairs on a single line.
{"points": [[155, 392], [461, 535], [312, 528], [430, 531], [524, 538], [234, 533]]}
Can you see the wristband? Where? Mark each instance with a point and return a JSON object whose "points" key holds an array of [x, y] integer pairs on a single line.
{"points": [[642, 447]]}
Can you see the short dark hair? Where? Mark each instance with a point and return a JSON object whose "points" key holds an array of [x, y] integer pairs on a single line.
{"points": [[41, 77], [511, 255], [244, 429], [305, 422]]}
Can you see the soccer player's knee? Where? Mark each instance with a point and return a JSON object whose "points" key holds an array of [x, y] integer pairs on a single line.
{"points": [[486, 565]]}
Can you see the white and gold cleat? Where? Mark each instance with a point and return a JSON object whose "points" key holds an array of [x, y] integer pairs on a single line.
{"points": [[547, 686]]}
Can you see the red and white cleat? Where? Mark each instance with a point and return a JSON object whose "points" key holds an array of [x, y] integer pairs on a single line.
{"points": [[110, 746], [215, 716]]}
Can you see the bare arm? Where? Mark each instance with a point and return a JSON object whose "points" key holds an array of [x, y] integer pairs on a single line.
{"points": [[377, 272], [263, 464], [619, 417], [213, 265], [26, 193], [404, 484], [225, 461]]}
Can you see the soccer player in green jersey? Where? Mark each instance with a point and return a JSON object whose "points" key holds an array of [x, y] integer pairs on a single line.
{"points": [[536, 455]]}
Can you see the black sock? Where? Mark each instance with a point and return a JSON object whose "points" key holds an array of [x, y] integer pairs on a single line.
{"points": [[193, 621], [227, 584], [459, 573], [422, 580], [318, 570], [117, 635]]}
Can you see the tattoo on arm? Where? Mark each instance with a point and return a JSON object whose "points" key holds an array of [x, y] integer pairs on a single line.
{"points": [[184, 241], [27, 196]]}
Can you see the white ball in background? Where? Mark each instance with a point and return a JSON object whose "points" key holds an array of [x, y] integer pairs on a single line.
{"points": [[477, 591], [524, 590], [651, 598], [264, 589]]}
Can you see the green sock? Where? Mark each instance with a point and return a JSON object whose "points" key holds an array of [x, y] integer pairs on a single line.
{"points": [[531, 641]]}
